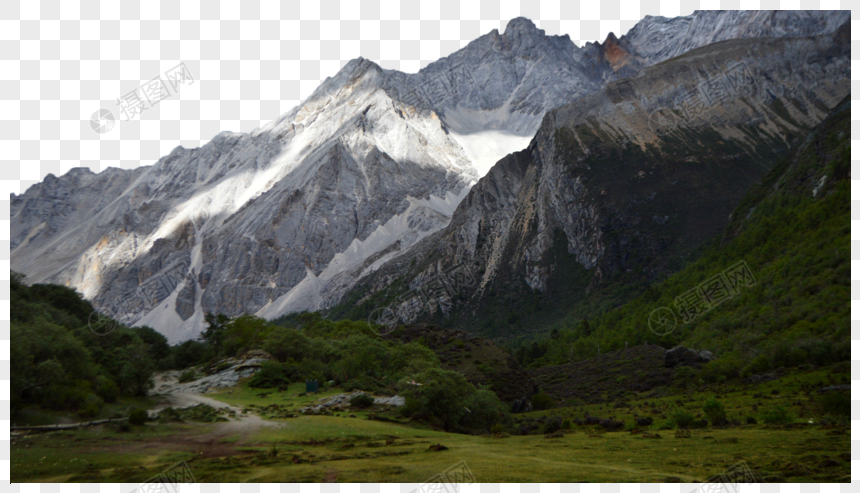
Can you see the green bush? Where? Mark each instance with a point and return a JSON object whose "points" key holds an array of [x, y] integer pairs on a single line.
{"points": [[244, 332], [552, 424], [716, 412], [361, 401], [834, 403], [445, 399], [137, 417], [566, 425], [270, 375], [107, 389], [541, 401], [726, 368], [685, 377], [682, 418], [188, 375], [92, 406], [365, 383], [483, 411], [498, 429], [778, 415]]}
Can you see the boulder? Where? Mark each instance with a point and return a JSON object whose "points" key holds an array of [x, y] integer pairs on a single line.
{"points": [[681, 356]]}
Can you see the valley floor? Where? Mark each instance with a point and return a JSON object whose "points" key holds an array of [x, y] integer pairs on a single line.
{"points": [[260, 443]]}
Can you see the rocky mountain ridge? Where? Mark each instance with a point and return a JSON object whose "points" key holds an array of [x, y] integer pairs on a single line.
{"points": [[619, 186], [292, 215]]}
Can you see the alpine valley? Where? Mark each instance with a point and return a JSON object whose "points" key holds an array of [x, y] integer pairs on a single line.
{"points": [[623, 262]]}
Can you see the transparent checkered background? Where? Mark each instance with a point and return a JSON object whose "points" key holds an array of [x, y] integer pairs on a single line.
{"points": [[253, 60]]}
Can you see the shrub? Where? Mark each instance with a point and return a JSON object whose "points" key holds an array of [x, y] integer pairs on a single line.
{"points": [[107, 389], [566, 425], [135, 377], [778, 415], [286, 343], [552, 425], [365, 383], [834, 403], [447, 400], [137, 417], [682, 418], [497, 429], [92, 406], [270, 375], [484, 410], [716, 412], [541, 401], [361, 401], [646, 421], [725, 368], [188, 375], [685, 377], [751, 420], [244, 332], [612, 424]]}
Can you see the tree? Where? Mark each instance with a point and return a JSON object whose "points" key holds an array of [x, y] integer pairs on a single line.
{"points": [[136, 374], [158, 346], [244, 332], [441, 397], [216, 327]]}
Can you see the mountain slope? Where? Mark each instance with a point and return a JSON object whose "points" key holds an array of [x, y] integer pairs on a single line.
{"points": [[617, 189], [793, 231], [248, 215], [292, 215]]}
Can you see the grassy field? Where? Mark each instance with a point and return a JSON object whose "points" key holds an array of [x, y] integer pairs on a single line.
{"points": [[340, 447]]}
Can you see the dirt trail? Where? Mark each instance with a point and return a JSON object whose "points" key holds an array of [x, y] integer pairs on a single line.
{"points": [[243, 424]]}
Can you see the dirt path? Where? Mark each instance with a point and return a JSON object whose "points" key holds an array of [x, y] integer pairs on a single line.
{"points": [[242, 425]]}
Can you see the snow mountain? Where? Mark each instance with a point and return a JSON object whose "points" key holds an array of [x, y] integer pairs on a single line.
{"points": [[294, 214]]}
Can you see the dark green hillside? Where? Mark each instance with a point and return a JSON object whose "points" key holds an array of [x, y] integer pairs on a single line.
{"points": [[60, 365], [793, 230]]}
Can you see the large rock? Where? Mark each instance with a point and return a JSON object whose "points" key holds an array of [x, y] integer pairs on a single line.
{"points": [[681, 356]]}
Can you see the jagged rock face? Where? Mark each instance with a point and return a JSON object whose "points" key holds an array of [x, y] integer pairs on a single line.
{"points": [[635, 176], [657, 39], [361, 170], [292, 215], [502, 81], [235, 224]]}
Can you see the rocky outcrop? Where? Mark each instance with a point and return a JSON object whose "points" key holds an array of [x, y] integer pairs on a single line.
{"points": [[228, 374], [681, 356], [340, 402]]}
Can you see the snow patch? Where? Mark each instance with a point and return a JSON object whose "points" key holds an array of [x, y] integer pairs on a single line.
{"points": [[486, 148]]}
